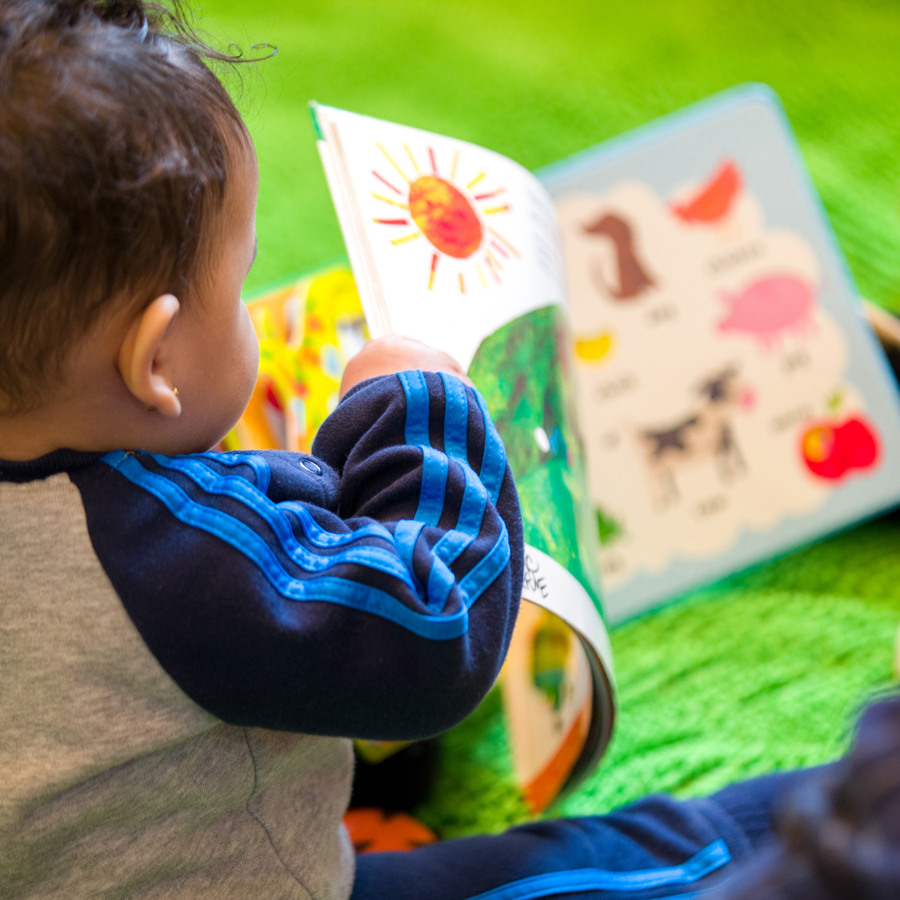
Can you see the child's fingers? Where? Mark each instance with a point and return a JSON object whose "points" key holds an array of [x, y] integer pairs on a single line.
{"points": [[387, 355]]}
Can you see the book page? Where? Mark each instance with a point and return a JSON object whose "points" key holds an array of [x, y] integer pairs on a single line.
{"points": [[459, 247], [448, 240], [558, 683], [733, 404]]}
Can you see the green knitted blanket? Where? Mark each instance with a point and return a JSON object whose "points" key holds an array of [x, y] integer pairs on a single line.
{"points": [[767, 669]]}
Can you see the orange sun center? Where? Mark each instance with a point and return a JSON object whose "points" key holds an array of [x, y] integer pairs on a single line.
{"points": [[445, 216]]}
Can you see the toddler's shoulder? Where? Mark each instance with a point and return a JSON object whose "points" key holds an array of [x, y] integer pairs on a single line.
{"points": [[260, 476]]}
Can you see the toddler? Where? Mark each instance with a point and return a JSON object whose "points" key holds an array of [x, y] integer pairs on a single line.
{"points": [[147, 598], [187, 638]]}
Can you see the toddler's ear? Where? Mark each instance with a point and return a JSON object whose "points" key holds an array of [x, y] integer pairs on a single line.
{"points": [[146, 359]]}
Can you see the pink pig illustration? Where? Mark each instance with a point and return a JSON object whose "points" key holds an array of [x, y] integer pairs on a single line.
{"points": [[769, 307]]}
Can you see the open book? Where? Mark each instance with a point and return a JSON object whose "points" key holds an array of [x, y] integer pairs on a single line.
{"points": [[731, 402], [670, 344], [557, 681]]}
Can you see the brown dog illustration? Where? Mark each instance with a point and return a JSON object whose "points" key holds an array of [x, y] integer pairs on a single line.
{"points": [[633, 277]]}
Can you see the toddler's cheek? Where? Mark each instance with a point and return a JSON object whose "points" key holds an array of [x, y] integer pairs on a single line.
{"points": [[251, 362]]}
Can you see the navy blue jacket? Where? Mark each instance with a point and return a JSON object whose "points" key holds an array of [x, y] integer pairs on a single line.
{"points": [[367, 591]]}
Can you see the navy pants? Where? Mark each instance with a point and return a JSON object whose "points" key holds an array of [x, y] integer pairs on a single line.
{"points": [[658, 847]]}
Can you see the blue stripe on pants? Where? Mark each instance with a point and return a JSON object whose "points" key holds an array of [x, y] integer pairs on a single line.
{"points": [[658, 847]]}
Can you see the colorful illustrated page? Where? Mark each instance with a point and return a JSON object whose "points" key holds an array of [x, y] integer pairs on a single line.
{"points": [[559, 710], [448, 241], [525, 373], [731, 403], [308, 329], [547, 700], [459, 247]]}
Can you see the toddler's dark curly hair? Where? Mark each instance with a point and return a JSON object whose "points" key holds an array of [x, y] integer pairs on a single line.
{"points": [[115, 144]]}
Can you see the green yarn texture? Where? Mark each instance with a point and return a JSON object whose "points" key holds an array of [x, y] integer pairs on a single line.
{"points": [[764, 671], [767, 669]]}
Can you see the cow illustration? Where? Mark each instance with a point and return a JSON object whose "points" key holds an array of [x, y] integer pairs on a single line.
{"points": [[705, 432]]}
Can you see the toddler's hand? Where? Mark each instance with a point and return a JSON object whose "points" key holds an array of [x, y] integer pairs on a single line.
{"points": [[387, 355]]}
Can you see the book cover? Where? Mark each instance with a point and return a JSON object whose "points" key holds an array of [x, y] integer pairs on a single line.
{"points": [[733, 401]]}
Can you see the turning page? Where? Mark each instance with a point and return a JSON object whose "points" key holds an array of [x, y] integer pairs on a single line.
{"points": [[448, 241], [459, 247]]}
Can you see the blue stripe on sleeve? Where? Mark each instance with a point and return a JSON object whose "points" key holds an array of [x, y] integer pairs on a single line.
{"points": [[478, 489], [488, 567], [406, 533], [417, 406], [440, 584], [247, 542], [451, 545], [380, 559], [319, 537], [493, 463], [456, 418], [474, 502], [396, 559], [434, 486], [434, 464], [404, 538], [257, 463]]}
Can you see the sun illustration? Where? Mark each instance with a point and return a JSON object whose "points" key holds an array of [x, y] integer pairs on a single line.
{"points": [[450, 216]]}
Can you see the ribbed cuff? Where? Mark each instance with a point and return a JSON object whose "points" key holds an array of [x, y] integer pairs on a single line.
{"points": [[752, 804]]}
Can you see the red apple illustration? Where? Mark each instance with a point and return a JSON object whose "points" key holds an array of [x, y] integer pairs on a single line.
{"points": [[832, 449]]}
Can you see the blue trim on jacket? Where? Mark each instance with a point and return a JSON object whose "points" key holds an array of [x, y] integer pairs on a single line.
{"points": [[368, 592]]}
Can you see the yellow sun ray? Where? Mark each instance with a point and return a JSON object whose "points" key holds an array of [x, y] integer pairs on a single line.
{"points": [[475, 180], [493, 259], [505, 243], [412, 159], [391, 161], [481, 274], [462, 284], [495, 209], [403, 240], [455, 164], [490, 264], [388, 200]]}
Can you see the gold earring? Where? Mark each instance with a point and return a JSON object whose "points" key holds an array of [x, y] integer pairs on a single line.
{"points": [[153, 408]]}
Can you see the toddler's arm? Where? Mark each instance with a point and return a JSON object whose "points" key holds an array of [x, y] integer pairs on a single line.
{"points": [[374, 598]]}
